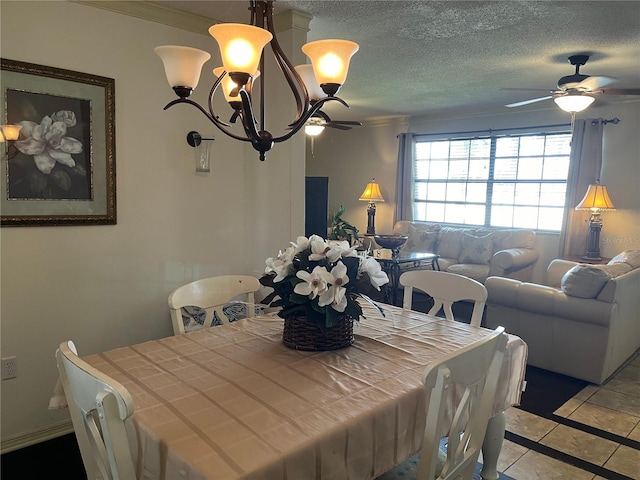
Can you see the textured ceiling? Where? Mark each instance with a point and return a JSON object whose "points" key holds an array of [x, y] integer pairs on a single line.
{"points": [[451, 58]]}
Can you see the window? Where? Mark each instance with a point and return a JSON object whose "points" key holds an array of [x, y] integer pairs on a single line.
{"points": [[499, 181]]}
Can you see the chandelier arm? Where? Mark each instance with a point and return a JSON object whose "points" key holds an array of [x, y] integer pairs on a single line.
{"points": [[247, 116], [212, 118], [212, 93], [298, 124], [290, 74]]}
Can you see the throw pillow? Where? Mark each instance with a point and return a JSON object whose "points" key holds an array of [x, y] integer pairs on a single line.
{"points": [[449, 242], [478, 250], [420, 241], [584, 281]]}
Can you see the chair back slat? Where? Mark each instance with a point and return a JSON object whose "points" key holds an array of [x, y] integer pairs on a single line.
{"points": [[445, 288], [211, 294]]}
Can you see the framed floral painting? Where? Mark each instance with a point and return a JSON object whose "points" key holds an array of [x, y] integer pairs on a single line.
{"points": [[61, 170]]}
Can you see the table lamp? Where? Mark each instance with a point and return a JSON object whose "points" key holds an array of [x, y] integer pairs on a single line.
{"points": [[371, 194], [595, 200]]}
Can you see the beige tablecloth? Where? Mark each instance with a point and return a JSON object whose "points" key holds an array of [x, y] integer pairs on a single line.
{"points": [[234, 402]]}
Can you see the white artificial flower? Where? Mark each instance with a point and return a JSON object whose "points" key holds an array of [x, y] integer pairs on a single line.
{"points": [[335, 294], [282, 266], [371, 267], [314, 283]]}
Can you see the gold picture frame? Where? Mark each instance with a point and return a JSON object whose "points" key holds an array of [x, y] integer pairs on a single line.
{"points": [[62, 168]]}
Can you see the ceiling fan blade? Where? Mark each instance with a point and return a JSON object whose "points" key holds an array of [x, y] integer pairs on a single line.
{"points": [[595, 82], [529, 89], [336, 125], [527, 102], [619, 91], [347, 122]]}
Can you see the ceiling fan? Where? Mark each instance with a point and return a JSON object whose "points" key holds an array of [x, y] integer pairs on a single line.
{"points": [[321, 118], [579, 85]]}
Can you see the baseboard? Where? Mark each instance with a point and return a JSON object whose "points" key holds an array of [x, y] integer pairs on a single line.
{"points": [[36, 436]]}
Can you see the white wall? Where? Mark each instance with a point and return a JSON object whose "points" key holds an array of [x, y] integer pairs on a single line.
{"points": [[107, 286], [351, 158]]}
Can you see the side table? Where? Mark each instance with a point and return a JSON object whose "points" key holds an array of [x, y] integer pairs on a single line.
{"points": [[579, 259], [391, 265]]}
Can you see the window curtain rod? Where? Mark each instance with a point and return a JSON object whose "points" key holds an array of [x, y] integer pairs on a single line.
{"points": [[615, 121], [491, 130]]}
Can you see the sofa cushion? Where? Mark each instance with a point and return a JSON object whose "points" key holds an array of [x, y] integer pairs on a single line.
{"points": [[478, 250], [420, 240], [471, 270], [585, 281]]}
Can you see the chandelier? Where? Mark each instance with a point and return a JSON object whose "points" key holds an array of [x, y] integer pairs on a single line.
{"points": [[241, 48]]}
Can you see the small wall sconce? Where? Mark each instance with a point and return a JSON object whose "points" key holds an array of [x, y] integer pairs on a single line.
{"points": [[202, 148], [9, 132]]}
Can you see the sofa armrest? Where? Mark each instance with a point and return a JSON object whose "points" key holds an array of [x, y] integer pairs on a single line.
{"points": [[556, 270], [511, 260]]}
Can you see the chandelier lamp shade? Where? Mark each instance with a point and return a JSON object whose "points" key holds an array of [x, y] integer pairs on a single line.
{"points": [[596, 200], [574, 102], [242, 52], [372, 195]]}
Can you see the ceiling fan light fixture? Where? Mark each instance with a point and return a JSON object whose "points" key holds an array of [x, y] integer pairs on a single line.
{"points": [[313, 130], [574, 103]]}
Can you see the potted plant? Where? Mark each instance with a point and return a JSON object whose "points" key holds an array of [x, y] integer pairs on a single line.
{"points": [[341, 229]]}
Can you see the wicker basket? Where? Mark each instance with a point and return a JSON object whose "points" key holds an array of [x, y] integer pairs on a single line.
{"points": [[301, 334]]}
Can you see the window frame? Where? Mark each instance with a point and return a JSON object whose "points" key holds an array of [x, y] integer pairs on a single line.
{"points": [[491, 181]]}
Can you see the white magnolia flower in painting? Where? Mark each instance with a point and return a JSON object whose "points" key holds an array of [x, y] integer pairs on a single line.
{"points": [[314, 284], [48, 143], [336, 293]]}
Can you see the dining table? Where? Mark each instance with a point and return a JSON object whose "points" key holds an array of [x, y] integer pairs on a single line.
{"points": [[233, 402]]}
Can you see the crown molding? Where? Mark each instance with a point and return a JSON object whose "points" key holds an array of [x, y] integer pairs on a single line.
{"points": [[155, 12]]}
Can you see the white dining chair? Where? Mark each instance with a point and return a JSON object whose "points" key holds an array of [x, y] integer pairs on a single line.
{"points": [[212, 294], [462, 389], [99, 407], [445, 289]]}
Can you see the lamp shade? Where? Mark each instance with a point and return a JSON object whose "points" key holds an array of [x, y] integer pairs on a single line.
{"points": [[330, 59], [228, 85], [240, 46], [596, 199], [9, 132], [372, 193], [182, 65], [310, 82], [574, 103]]}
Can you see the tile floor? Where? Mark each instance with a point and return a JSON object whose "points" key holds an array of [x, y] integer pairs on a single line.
{"points": [[613, 407]]}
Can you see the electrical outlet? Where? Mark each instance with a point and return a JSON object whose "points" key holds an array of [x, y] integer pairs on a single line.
{"points": [[9, 368]]}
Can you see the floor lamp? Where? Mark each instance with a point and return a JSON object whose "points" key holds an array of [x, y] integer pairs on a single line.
{"points": [[371, 194], [595, 200]]}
